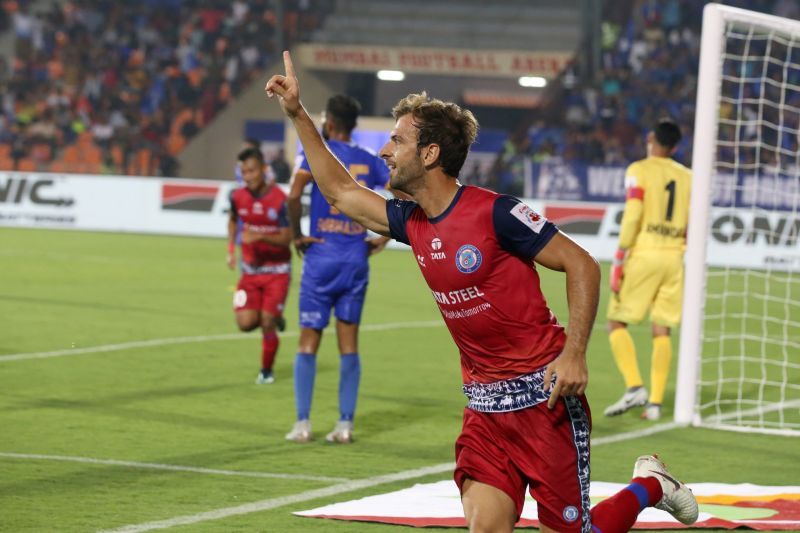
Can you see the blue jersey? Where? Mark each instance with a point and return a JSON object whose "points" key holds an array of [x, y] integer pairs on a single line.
{"points": [[344, 239]]}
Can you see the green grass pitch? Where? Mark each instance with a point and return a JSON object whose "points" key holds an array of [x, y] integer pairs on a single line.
{"points": [[195, 404]]}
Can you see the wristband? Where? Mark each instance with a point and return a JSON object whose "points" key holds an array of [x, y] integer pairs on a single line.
{"points": [[619, 256]]}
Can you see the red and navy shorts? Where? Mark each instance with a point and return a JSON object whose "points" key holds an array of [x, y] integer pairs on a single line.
{"points": [[546, 450], [262, 292]]}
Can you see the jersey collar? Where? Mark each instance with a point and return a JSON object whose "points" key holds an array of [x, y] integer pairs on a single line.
{"points": [[450, 207]]}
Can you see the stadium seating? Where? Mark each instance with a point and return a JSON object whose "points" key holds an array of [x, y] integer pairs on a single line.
{"points": [[120, 87]]}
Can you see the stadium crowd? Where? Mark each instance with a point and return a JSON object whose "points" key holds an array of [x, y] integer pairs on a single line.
{"points": [[648, 70], [99, 86]]}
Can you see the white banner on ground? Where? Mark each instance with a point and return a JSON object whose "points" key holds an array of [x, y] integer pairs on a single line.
{"points": [[439, 505], [199, 208]]}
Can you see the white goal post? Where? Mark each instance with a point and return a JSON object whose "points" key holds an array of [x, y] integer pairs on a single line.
{"points": [[739, 363]]}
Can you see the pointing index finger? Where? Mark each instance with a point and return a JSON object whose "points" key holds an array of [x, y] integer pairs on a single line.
{"points": [[287, 64]]}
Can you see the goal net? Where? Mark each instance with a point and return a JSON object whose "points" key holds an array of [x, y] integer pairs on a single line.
{"points": [[739, 365]]}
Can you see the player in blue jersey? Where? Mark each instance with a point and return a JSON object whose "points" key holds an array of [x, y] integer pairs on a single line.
{"points": [[335, 270]]}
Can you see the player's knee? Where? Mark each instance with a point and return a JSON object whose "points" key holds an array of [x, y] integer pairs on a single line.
{"points": [[660, 331], [268, 323], [247, 324], [614, 324]]}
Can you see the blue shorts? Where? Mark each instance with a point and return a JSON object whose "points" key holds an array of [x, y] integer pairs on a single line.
{"points": [[332, 285]]}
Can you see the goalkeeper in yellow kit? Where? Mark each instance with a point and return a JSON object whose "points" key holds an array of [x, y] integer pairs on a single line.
{"points": [[647, 273]]}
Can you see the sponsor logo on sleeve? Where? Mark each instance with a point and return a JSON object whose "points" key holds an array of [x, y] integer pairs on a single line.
{"points": [[529, 217]]}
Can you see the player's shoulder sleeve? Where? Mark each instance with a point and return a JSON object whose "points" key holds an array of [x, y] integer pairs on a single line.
{"points": [[283, 216], [520, 230], [634, 181], [398, 212]]}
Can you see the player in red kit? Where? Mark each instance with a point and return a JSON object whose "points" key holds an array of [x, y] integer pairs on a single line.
{"points": [[266, 257], [527, 423]]}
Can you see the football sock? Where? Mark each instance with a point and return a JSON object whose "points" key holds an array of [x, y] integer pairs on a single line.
{"points": [[619, 512], [269, 347], [305, 370], [349, 376], [659, 367], [625, 356]]}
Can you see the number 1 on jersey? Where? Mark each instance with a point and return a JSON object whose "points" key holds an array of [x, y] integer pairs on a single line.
{"points": [[671, 202]]}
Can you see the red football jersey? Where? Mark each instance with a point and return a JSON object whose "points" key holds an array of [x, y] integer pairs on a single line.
{"points": [[264, 214], [477, 258]]}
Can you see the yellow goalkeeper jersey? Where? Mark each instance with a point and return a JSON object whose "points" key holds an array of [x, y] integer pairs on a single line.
{"points": [[656, 205]]}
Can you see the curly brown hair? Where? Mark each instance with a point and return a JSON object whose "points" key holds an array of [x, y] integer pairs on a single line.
{"points": [[443, 123]]}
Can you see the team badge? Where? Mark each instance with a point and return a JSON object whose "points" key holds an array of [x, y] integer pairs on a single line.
{"points": [[272, 214], [468, 259], [570, 513]]}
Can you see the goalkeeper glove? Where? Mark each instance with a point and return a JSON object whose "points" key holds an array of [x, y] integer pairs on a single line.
{"points": [[616, 270]]}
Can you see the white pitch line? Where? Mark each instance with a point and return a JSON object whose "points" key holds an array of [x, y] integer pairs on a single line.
{"points": [[340, 488], [271, 503], [195, 339], [177, 468], [630, 435]]}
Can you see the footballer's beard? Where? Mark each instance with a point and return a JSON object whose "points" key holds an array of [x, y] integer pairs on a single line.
{"points": [[408, 178]]}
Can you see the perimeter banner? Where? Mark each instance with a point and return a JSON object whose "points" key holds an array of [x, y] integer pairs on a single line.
{"points": [[738, 237]]}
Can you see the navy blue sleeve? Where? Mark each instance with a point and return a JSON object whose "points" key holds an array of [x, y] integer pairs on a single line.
{"points": [[398, 212], [283, 217], [233, 213], [520, 230]]}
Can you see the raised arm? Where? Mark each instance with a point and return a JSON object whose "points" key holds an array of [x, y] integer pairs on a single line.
{"points": [[361, 204]]}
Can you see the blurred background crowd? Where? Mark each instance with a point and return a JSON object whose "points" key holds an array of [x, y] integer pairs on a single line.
{"points": [[101, 86]]}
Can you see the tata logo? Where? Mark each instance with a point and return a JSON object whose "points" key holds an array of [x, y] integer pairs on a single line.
{"points": [[468, 259], [258, 209], [436, 255]]}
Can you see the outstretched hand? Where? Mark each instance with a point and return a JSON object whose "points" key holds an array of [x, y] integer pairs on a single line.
{"points": [[286, 88]]}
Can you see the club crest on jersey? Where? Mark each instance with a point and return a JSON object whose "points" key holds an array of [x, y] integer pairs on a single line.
{"points": [[272, 214], [468, 259], [529, 217], [570, 513]]}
